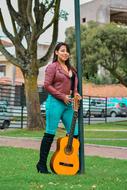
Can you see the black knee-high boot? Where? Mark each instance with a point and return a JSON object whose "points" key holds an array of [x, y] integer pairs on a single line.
{"points": [[44, 151]]}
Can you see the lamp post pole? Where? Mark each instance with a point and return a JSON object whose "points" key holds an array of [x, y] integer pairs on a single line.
{"points": [[79, 72]]}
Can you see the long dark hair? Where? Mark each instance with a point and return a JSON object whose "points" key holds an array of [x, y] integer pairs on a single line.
{"points": [[55, 57]]}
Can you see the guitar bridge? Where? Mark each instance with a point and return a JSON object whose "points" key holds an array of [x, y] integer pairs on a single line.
{"points": [[66, 164]]}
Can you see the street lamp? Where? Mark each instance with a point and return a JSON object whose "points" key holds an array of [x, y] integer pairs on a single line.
{"points": [[79, 72]]}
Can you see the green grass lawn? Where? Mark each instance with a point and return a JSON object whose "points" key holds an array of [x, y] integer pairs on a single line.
{"points": [[61, 132], [109, 137], [28, 133], [110, 126], [119, 143], [106, 134], [18, 172], [102, 137]]}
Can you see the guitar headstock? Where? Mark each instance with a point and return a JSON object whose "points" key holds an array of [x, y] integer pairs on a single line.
{"points": [[76, 103]]}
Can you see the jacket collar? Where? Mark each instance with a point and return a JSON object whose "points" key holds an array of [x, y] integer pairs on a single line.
{"points": [[61, 70]]}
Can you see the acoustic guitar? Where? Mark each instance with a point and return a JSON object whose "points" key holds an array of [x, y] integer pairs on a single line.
{"points": [[65, 160]]}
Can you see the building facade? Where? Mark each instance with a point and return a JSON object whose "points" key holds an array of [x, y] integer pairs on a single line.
{"points": [[104, 11], [12, 74]]}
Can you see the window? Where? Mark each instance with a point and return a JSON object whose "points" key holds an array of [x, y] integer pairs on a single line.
{"points": [[2, 70], [83, 20]]}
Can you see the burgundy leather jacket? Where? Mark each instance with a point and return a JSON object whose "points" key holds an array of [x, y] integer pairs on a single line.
{"points": [[57, 81]]}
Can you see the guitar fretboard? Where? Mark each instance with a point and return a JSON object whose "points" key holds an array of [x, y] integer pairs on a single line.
{"points": [[70, 139]]}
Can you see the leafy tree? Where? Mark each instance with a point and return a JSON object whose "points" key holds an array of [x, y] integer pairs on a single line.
{"points": [[29, 23], [106, 46], [103, 45], [89, 70]]}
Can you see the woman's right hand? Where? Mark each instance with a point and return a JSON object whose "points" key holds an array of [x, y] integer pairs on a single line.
{"points": [[67, 99]]}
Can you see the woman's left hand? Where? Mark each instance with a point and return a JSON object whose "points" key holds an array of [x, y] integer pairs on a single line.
{"points": [[78, 95]]}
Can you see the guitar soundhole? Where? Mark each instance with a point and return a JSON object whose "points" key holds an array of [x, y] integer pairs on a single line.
{"points": [[66, 164], [68, 151]]}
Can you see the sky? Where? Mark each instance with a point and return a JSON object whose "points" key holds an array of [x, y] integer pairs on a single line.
{"points": [[67, 5]]}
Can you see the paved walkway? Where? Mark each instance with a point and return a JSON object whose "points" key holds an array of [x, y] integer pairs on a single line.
{"points": [[91, 150]]}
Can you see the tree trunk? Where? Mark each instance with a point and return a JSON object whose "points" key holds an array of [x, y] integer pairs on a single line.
{"points": [[34, 117]]}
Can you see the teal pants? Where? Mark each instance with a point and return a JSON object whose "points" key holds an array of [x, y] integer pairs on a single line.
{"points": [[57, 110]]}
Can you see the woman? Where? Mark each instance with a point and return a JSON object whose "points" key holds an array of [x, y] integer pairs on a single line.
{"points": [[61, 84]]}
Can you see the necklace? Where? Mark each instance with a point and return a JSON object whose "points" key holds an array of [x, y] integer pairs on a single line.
{"points": [[64, 67]]}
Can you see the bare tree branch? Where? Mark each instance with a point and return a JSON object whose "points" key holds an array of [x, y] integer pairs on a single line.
{"points": [[20, 34], [37, 11], [50, 5], [22, 11], [8, 34], [44, 59], [46, 27], [115, 73], [43, 10], [29, 13], [42, 14], [15, 41], [33, 39], [14, 14], [119, 77], [25, 24], [14, 25], [10, 57]]}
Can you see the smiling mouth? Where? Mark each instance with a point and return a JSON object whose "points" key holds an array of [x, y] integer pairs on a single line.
{"points": [[65, 57]]}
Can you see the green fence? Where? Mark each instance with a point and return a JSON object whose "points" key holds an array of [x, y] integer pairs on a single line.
{"points": [[13, 112]]}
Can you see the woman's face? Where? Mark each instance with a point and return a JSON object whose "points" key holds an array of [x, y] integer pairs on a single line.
{"points": [[62, 54]]}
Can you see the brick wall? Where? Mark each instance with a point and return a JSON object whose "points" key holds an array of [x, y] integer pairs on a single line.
{"points": [[104, 90]]}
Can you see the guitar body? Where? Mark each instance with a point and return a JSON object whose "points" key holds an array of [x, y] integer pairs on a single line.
{"points": [[65, 162]]}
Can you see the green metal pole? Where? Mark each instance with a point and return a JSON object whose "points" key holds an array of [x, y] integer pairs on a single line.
{"points": [[79, 72]]}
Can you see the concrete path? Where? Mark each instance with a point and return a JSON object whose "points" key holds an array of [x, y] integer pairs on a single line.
{"points": [[91, 150]]}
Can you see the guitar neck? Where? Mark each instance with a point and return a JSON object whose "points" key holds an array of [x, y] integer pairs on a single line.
{"points": [[70, 139]]}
